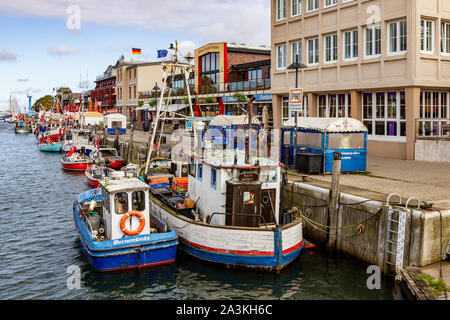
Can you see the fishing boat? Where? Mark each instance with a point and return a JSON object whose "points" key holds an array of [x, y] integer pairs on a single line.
{"points": [[79, 138], [231, 213], [76, 160], [110, 155], [21, 128], [95, 173], [116, 229], [229, 210], [50, 140]]}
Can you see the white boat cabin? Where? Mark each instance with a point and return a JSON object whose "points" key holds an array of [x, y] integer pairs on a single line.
{"points": [[230, 192], [122, 194]]}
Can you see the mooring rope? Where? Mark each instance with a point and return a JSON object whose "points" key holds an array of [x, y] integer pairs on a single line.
{"points": [[318, 225]]}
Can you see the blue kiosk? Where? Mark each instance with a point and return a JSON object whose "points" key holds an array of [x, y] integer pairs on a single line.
{"points": [[224, 127], [323, 137]]}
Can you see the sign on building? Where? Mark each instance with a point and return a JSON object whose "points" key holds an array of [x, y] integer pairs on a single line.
{"points": [[296, 99]]}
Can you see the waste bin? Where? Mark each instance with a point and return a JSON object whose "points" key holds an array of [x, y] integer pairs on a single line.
{"points": [[309, 163]]}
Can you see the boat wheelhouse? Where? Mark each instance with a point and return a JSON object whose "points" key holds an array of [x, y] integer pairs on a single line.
{"points": [[79, 138], [116, 229]]}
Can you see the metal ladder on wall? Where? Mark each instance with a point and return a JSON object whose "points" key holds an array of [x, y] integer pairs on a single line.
{"points": [[395, 233]]}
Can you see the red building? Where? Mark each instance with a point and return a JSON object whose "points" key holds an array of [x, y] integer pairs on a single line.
{"points": [[105, 91]]}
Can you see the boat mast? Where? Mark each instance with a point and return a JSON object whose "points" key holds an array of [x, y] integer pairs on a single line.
{"points": [[171, 67]]}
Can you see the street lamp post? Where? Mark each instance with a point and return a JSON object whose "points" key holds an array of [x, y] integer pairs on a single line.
{"points": [[296, 65]]}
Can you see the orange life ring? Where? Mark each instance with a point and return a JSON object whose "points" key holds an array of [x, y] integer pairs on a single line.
{"points": [[132, 232]]}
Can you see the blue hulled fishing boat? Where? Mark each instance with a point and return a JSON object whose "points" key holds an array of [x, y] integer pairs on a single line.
{"points": [[116, 229]]}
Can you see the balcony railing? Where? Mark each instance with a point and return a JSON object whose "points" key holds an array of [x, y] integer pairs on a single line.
{"points": [[433, 128], [248, 85], [238, 86]]}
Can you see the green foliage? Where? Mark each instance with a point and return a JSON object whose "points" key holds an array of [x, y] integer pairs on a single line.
{"points": [[46, 101], [152, 103], [209, 99], [63, 90], [240, 97], [436, 286], [140, 103], [167, 102], [186, 100]]}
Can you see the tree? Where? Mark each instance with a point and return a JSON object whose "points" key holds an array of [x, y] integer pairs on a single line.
{"points": [[46, 101]]}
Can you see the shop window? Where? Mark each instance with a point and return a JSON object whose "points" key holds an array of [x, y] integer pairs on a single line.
{"points": [[384, 114]]}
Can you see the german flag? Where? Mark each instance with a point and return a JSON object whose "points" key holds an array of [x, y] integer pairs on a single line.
{"points": [[136, 51]]}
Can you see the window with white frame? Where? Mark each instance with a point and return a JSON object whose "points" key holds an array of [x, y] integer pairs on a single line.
{"points": [[313, 51], [372, 41], [434, 105], [331, 48], [281, 57], [335, 106], [351, 45], [445, 38], [397, 37], [312, 5], [281, 9], [296, 7], [384, 114], [434, 112], [296, 48], [427, 36], [329, 3]]}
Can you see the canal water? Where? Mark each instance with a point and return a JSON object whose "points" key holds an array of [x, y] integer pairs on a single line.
{"points": [[39, 249]]}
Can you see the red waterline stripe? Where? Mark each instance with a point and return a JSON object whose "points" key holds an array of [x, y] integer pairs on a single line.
{"points": [[140, 266], [240, 252]]}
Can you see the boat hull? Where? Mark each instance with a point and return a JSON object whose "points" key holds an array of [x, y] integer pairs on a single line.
{"points": [[269, 249], [115, 164], [22, 131], [90, 180], [134, 252], [77, 167], [55, 147]]}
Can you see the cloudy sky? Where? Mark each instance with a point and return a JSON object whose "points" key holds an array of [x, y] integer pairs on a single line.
{"points": [[52, 43]]}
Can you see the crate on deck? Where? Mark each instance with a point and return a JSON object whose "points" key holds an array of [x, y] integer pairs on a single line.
{"points": [[180, 185]]}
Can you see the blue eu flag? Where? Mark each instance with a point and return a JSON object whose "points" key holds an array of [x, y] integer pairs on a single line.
{"points": [[162, 53]]}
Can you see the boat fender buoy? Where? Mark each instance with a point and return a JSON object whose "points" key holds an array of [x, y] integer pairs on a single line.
{"points": [[124, 219]]}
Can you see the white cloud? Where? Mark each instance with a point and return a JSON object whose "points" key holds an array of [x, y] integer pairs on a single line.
{"points": [[7, 56], [22, 80], [210, 20], [62, 50]]}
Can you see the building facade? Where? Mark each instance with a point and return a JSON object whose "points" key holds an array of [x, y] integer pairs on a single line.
{"points": [[133, 79], [105, 90], [383, 62], [225, 71]]}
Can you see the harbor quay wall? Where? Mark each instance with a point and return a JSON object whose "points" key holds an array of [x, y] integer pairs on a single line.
{"points": [[361, 229]]}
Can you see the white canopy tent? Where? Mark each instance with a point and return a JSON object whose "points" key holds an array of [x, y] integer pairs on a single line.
{"points": [[327, 124]]}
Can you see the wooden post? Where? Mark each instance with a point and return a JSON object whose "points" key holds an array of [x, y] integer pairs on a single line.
{"points": [[333, 205], [250, 124]]}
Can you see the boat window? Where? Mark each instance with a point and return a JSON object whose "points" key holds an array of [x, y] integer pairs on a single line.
{"points": [[121, 202], [192, 167], [138, 199], [106, 200], [213, 178]]}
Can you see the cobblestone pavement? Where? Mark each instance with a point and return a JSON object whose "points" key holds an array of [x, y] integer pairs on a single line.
{"points": [[430, 182]]}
